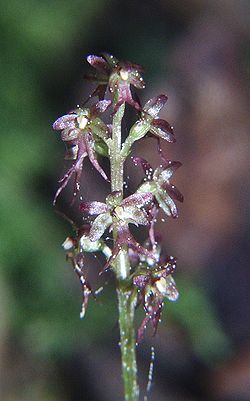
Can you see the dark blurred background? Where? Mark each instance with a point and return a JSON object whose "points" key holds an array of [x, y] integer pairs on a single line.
{"points": [[197, 52]]}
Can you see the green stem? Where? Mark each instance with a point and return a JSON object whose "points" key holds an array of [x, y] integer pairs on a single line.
{"points": [[127, 343], [126, 304], [116, 161]]}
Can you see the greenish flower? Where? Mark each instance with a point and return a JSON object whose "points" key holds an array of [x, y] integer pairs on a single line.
{"points": [[158, 183]]}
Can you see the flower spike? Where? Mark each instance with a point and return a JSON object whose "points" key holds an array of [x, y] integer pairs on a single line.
{"points": [[144, 274]]}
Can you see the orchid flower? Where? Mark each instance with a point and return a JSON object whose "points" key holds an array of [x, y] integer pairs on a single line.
{"points": [[119, 214], [117, 76], [76, 246], [79, 131], [157, 182], [155, 283], [158, 127], [150, 123]]}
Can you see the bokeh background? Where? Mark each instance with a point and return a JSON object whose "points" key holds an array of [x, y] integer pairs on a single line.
{"points": [[197, 52]]}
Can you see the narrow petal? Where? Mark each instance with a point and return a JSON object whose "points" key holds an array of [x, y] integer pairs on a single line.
{"points": [[169, 169], [156, 315], [162, 129], [132, 243], [93, 208], [164, 173], [116, 249], [99, 107], [134, 76], [100, 90], [173, 191], [125, 238], [89, 141], [159, 149], [66, 121], [154, 105], [134, 215], [148, 170], [137, 81], [167, 267], [152, 316], [99, 225], [111, 60], [86, 289], [64, 181], [133, 66], [99, 63], [151, 233], [138, 199], [166, 204], [75, 170], [171, 292], [142, 328]]}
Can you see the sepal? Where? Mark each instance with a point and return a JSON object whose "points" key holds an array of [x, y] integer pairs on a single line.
{"points": [[99, 226], [154, 105]]}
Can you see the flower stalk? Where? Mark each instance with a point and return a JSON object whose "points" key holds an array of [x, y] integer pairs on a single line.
{"points": [[126, 304], [143, 273], [116, 160]]}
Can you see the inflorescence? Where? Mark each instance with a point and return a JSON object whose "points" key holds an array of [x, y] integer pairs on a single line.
{"points": [[85, 135]]}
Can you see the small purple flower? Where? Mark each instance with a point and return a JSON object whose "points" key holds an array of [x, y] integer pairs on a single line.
{"points": [[80, 130], [157, 182], [118, 215], [118, 77], [150, 123], [154, 285]]}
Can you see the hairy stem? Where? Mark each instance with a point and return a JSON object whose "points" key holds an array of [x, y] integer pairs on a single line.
{"points": [[122, 268]]}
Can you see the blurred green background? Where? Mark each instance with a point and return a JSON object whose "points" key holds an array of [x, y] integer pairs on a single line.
{"points": [[197, 52]]}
